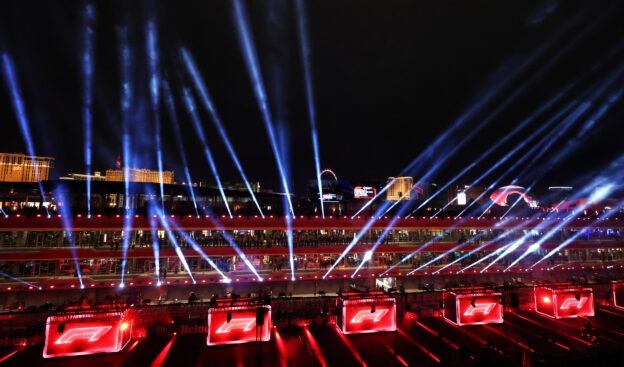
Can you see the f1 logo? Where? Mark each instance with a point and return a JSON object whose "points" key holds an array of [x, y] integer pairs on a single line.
{"points": [[484, 308], [245, 324], [571, 302], [367, 315], [83, 333]]}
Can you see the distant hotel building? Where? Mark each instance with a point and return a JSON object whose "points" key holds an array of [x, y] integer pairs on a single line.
{"points": [[18, 167], [400, 189], [139, 175]]}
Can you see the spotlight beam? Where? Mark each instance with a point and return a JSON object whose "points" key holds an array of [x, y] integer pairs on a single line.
{"points": [[66, 219], [565, 243], [155, 241], [10, 76], [542, 146], [251, 61], [456, 248], [170, 105], [126, 101], [167, 226], [369, 202], [18, 280], [200, 86], [154, 82], [201, 252], [499, 143], [88, 19], [190, 108], [302, 22]]}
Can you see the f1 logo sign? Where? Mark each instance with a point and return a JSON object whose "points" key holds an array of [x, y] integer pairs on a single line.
{"points": [[83, 333], [244, 324], [572, 302], [484, 308], [367, 315]]}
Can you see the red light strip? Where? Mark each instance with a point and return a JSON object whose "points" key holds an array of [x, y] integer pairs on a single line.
{"points": [[553, 329], [436, 334], [463, 330], [525, 330], [8, 356], [349, 346], [315, 347], [281, 347], [398, 357], [133, 345], [418, 345], [162, 356], [515, 341]]}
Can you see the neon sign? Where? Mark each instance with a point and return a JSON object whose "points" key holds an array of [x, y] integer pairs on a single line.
{"points": [[474, 308], [364, 192], [238, 324], [367, 315], [564, 302], [84, 334], [244, 324], [90, 334]]}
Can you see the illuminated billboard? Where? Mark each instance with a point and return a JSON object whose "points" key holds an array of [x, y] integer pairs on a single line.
{"points": [[564, 301], [618, 295], [86, 333], [366, 313], [238, 324], [473, 307], [364, 192]]}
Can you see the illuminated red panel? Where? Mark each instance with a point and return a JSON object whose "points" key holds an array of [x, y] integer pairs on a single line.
{"points": [[473, 308], [618, 295], [564, 302], [241, 327], [82, 334], [367, 315]]}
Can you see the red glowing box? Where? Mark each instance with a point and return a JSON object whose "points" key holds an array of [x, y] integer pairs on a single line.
{"points": [[238, 324], [366, 312], [86, 333], [564, 301], [618, 295], [473, 307]]}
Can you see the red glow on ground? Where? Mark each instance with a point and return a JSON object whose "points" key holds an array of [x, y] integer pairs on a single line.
{"points": [[133, 345], [8, 356], [315, 347], [162, 356], [419, 346], [281, 348], [350, 346]]}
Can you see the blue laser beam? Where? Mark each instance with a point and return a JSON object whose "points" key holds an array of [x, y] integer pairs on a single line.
{"points": [[192, 111], [167, 225], [379, 194], [154, 82], [64, 207], [304, 43], [200, 86], [201, 252], [88, 18], [10, 76], [153, 221], [126, 100], [8, 276], [251, 61], [170, 106]]}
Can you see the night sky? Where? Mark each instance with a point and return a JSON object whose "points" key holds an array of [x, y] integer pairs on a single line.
{"points": [[389, 78]]}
